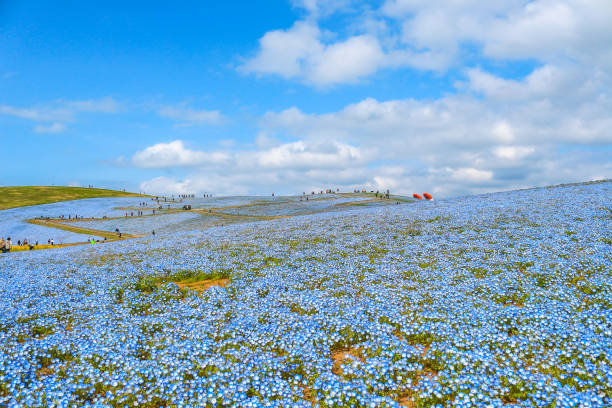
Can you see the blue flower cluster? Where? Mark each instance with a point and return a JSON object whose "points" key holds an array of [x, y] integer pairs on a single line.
{"points": [[498, 300]]}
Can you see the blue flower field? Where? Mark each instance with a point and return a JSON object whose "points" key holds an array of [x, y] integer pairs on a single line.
{"points": [[497, 300]]}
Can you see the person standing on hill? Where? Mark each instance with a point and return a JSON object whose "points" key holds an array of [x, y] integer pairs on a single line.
{"points": [[7, 245]]}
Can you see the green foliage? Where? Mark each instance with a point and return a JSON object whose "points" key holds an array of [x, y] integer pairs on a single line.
{"points": [[517, 391], [151, 329], [150, 283], [348, 338], [423, 338], [512, 297], [207, 370], [119, 295], [542, 280], [295, 308], [412, 231], [54, 354], [40, 331]]}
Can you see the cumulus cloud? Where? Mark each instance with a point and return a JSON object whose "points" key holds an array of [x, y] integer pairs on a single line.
{"points": [[301, 53], [175, 154], [304, 164], [477, 143], [309, 155], [545, 30], [431, 35], [295, 155]]}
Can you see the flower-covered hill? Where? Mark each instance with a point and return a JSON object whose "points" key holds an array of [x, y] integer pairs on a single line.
{"points": [[493, 300]]}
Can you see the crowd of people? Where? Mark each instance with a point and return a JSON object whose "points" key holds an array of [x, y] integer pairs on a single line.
{"points": [[6, 245], [71, 217], [131, 213]]}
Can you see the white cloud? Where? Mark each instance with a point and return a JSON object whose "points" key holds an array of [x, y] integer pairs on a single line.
{"points": [[286, 52], [513, 152], [301, 53], [346, 61], [471, 175], [53, 128], [175, 154], [430, 36], [461, 143], [60, 112], [41, 114], [502, 131], [303, 154], [166, 185], [545, 30], [296, 155], [289, 167]]}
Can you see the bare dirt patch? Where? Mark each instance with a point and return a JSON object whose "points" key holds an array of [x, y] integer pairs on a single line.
{"points": [[201, 286], [44, 372], [340, 356], [310, 395], [406, 401]]}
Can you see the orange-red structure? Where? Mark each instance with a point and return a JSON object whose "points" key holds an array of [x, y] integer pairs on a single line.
{"points": [[418, 197], [427, 196]]}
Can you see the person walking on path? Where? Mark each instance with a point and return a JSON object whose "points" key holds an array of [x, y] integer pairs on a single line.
{"points": [[7, 245]]}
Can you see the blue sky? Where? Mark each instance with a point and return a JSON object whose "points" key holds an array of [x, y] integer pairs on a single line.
{"points": [[288, 96]]}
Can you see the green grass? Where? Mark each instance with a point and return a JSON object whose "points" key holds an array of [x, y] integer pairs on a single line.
{"points": [[11, 197]]}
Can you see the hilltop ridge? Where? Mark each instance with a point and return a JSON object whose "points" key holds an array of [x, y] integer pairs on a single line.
{"points": [[20, 196]]}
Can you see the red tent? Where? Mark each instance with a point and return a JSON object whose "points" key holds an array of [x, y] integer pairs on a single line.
{"points": [[427, 196], [418, 197]]}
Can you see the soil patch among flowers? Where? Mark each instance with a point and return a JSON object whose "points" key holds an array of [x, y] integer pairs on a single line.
{"points": [[201, 286]]}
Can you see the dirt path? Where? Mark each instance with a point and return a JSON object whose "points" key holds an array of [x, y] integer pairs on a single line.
{"points": [[87, 231], [69, 224]]}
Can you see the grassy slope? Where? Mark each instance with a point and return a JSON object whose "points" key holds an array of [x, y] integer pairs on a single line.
{"points": [[11, 197]]}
